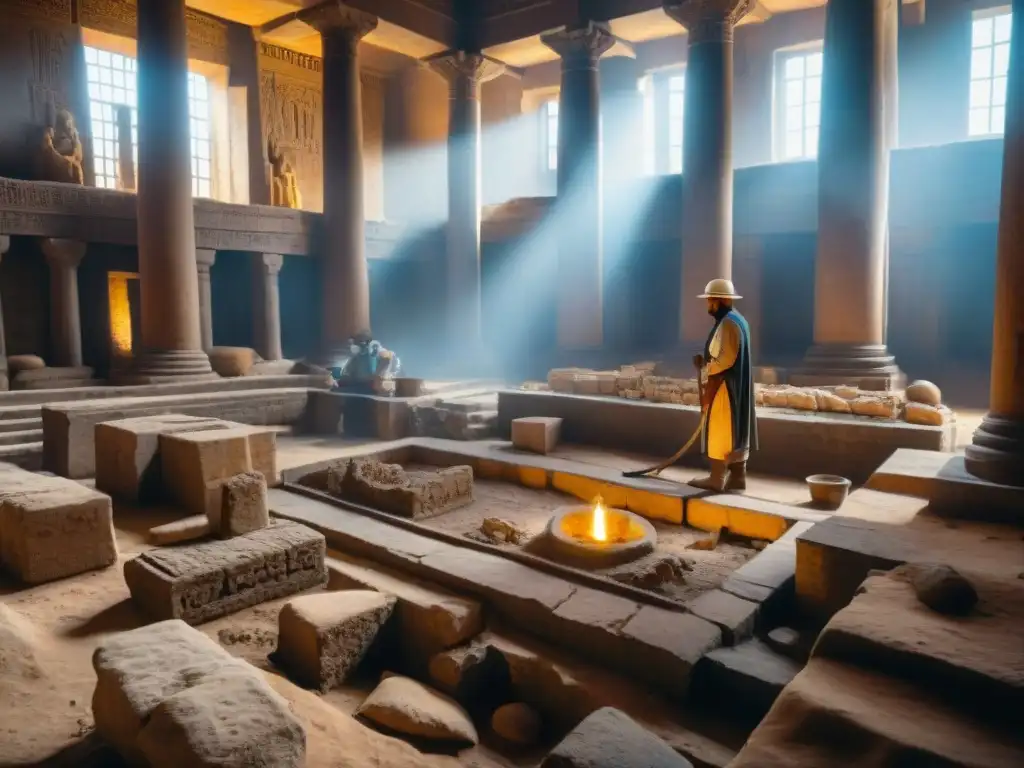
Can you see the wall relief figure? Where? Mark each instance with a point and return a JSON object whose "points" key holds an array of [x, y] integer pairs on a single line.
{"points": [[60, 150], [284, 187]]}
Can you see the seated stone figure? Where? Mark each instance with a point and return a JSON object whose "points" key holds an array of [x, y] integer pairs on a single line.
{"points": [[369, 369], [60, 151], [284, 187]]}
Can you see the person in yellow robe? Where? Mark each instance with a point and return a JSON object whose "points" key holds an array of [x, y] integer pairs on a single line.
{"points": [[728, 386]]}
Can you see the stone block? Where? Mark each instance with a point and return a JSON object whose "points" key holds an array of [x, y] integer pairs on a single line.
{"points": [[128, 456], [196, 464], [476, 675], [391, 488], [609, 738], [537, 434], [668, 645], [51, 527], [322, 638], [178, 531], [744, 679], [243, 507], [733, 615], [405, 706], [168, 695], [199, 582]]}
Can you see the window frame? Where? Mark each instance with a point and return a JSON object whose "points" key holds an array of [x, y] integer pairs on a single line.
{"points": [[780, 107], [549, 134], [107, 101], [990, 107], [675, 93]]}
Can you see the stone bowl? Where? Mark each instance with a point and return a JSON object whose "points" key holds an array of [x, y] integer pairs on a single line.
{"points": [[828, 491], [629, 538]]}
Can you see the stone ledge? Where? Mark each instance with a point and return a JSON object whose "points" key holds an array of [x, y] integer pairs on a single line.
{"points": [[791, 445], [747, 516]]}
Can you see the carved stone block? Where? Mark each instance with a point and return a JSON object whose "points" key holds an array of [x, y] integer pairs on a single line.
{"points": [[202, 581]]}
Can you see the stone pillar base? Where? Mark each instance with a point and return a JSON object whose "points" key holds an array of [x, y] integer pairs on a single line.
{"points": [[867, 366], [997, 452], [165, 366]]}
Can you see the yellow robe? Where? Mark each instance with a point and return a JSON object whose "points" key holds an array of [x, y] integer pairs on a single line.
{"points": [[723, 351]]}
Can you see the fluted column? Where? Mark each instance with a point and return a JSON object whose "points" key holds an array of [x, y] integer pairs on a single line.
{"points": [[205, 258], [171, 339], [268, 313], [346, 281], [465, 73], [63, 258], [580, 279], [853, 199], [707, 153], [997, 451]]}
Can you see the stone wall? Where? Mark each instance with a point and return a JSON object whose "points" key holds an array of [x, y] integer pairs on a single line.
{"points": [[291, 105]]}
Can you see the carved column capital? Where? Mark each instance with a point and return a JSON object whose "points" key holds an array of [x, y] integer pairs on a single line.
{"points": [[580, 47], [336, 18], [473, 69], [205, 258], [63, 253], [708, 20], [271, 263]]}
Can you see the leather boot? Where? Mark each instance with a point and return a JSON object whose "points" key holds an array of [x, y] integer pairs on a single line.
{"points": [[737, 477], [717, 480]]}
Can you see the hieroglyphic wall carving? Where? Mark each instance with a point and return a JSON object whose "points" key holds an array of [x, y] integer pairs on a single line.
{"points": [[55, 10], [291, 112], [207, 36], [49, 79]]}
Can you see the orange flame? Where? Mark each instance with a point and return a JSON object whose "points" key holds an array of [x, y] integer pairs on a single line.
{"points": [[599, 522]]}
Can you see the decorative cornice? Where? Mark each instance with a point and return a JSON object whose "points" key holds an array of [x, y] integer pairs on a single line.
{"points": [[580, 46], [708, 20], [288, 56]]}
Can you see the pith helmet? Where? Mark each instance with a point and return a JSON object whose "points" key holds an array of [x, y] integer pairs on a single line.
{"points": [[720, 288]]}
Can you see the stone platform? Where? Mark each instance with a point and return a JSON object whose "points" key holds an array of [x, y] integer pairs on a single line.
{"points": [[791, 444]]}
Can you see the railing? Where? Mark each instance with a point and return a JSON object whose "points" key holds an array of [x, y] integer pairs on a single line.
{"points": [[91, 214]]}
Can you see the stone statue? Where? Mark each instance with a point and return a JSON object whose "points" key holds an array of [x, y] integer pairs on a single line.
{"points": [[284, 187], [368, 369], [60, 152]]}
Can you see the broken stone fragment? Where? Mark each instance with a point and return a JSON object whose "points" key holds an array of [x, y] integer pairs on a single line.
{"points": [[928, 415], [707, 543], [943, 589], [476, 675], [609, 738], [925, 392], [503, 531], [405, 706], [322, 638], [179, 531], [517, 723], [243, 506]]}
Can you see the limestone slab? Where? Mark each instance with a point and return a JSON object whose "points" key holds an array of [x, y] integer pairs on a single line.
{"points": [[178, 531], [142, 671], [733, 615], [128, 457], [670, 644], [322, 638], [243, 506], [51, 527], [411, 708], [609, 738], [537, 434], [747, 677], [199, 582]]}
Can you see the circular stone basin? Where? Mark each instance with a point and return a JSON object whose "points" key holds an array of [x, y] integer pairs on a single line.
{"points": [[828, 491], [629, 537]]}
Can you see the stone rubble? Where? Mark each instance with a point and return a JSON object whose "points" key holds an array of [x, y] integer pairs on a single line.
{"points": [[921, 403], [168, 696], [405, 706], [391, 488], [322, 638], [609, 738], [943, 589]]}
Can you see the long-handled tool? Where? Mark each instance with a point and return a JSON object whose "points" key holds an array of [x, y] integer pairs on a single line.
{"points": [[657, 468]]}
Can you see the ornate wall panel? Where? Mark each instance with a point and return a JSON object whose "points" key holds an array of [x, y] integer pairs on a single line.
{"points": [[207, 36]]}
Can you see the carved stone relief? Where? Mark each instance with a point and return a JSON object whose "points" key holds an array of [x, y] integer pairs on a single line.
{"points": [[55, 10], [207, 36], [50, 73]]}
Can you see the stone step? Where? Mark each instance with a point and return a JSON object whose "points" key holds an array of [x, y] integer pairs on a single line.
{"points": [[21, 424], [489, 418], [25, 455], [22, 437], [745, 678], [20, 412]]}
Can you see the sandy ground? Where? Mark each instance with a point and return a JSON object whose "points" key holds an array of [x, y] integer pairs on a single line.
{"points": [[46, 675], [531, 509]]}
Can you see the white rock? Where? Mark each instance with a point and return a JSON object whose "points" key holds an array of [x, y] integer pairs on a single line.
{"points": [[403, 705]]}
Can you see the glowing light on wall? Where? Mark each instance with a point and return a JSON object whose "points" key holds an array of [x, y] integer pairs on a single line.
{"points": [[120, 310]]}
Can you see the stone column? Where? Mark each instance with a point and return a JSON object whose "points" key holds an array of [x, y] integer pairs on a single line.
{"points": [[268, 313], [346, 281], [853, 201], [707, 155], [465, 73], [997, 451], [205, 258], [64, 256], [171, 339], [580, 279], [5, 244]]}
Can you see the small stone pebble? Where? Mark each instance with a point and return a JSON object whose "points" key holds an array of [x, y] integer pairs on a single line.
{"points": [[944, 590]]}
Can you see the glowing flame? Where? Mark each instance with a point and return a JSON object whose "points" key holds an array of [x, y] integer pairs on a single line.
{"points": [[599, 522]]}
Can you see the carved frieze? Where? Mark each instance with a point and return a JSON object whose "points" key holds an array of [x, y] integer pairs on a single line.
{"points": [[291, 110], [276, 53], [51, 74], [207, 36], [52, 10], [89, 214]]}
